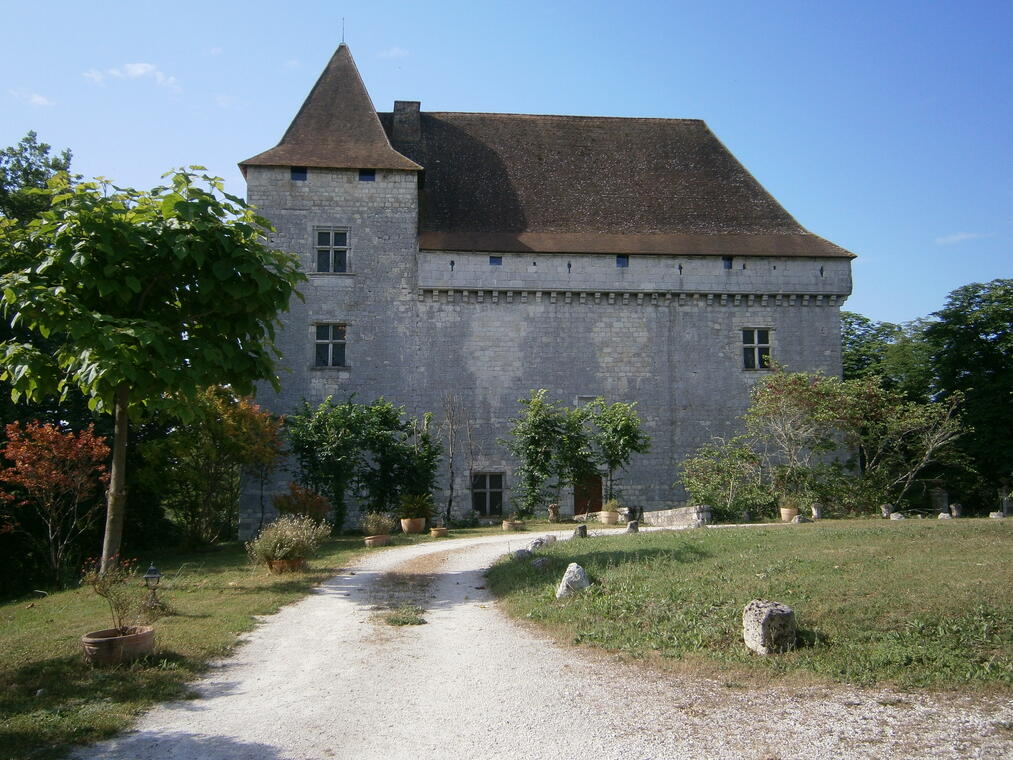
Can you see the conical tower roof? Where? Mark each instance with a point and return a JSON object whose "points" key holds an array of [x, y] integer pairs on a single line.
{"points": [[337, 126]]}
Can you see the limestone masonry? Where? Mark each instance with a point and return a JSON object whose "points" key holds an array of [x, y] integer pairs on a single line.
{"points": [[486, 255]]}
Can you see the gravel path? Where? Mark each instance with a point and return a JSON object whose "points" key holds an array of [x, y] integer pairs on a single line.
{"points": [[323, 679]]}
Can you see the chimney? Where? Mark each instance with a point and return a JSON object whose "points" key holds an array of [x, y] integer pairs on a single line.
{"points": [[406, 121]]}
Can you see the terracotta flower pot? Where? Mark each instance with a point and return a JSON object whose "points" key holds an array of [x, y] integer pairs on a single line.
{"points": [[380, 540], [609, 518], [788, 513], [438, 532], [413, 524], [292, 565], [513, 525], [111, 646]]}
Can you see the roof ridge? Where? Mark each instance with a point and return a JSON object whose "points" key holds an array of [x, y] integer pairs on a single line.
{"points": [[560, 116]]}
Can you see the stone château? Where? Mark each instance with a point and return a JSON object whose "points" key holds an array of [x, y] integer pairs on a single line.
{"points": [[488, 254]]}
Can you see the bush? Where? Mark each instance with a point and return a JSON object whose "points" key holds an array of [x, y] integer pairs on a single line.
{"points": [[302, 502], [416, 505], [288, 537], [377, 524]]}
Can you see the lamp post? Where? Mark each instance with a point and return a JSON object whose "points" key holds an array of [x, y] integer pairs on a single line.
{"points": [[151, 579]]}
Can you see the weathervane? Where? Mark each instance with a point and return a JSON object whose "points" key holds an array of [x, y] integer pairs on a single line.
{"points": [[342, 30]]}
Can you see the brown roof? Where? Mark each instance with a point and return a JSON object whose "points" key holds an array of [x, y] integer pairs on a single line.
{"points": [[513, 182], [336, 127]]}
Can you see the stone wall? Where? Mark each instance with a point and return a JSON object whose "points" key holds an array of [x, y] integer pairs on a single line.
{"points": [[418, 329]]}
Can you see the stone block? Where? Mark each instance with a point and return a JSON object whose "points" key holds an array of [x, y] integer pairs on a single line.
{"points": [[996, 515], [768, 627], [897, 516], [574, 579]]}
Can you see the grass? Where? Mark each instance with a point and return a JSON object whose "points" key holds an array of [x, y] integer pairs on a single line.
{"points": [[49, 697], [912, 604], [407, 614]]}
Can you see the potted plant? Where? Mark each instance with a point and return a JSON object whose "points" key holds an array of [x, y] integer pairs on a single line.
{"points": [[513, 522], [126, 640], [285, 544], [415, 510], [609, 513], [789, 508], [377, 527], [439, 531]]}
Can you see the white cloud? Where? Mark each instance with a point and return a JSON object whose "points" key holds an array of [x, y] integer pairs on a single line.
{"points": [[960, 237], [32, 98], [393, 52], [215, 51], [293, 63], [135, 71]]}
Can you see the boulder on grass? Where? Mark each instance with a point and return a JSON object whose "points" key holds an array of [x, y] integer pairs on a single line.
{"points": [[897, 516], [633, 526], [574, 579], [522, 554], [537, 544], [996, 515], [580, 531], [800, 519], [540, 563], [945, 516], [768, 627], [548, 540]]}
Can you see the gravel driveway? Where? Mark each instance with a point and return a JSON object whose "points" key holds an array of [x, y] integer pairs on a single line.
{"points": [[324, 679]]}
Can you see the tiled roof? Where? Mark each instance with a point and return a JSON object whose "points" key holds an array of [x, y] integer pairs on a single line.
{"points": [[336, 127]]}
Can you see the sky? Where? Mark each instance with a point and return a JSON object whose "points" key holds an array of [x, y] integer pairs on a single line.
{"points": [[882, 126]]}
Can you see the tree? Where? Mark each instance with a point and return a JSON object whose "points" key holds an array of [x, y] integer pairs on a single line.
{"points": [[864, 344], [900, 354], [727, 476], [198, 464], [534, 438], [618, 435], [371, 449], [57, 474], [24, 167], [150, 296], [971, 344]]}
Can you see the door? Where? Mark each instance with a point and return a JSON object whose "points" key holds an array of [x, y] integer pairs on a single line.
{"points": [[587, 495]]}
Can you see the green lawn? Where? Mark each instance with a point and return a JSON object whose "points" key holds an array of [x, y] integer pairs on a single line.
{"points": [[913, 603]]}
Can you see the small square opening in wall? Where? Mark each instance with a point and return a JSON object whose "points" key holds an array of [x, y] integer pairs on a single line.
{"points": [[367, 175], [726, 261], [622, 261], [298, 173], [495, 261]]}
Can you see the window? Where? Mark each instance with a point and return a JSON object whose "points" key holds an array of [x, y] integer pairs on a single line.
{"points": [[487, 493], [495, 261], [332, 249], [330, 346], [298, 173], [727, 261], [367, 175], [622, 261], [756, 348]]}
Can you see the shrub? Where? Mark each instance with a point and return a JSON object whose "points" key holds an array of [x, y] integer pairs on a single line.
{"points": [[377, 524], [288, 537], [302, 502], [114, 586], [416, 505], [56, 474], [612, 505]]}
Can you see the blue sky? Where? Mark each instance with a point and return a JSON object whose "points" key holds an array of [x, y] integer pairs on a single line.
{"points": [[882, 126]]}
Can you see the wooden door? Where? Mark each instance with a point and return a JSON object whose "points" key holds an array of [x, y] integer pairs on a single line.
{"points": [[587, 495]]}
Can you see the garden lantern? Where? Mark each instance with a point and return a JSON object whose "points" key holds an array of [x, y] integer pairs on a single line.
{"points": [[151, 579]]}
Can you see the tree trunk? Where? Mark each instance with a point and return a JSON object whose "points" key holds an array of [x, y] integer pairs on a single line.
{"points": [[116, 497]]}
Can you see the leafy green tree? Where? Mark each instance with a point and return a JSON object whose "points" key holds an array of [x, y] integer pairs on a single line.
{"points": [[198, 464], [618, 435], [373, 450], [727, 476], [900, 354], [150, 296], [972, 346], [24, 167], [864, 344], [534, 438]]}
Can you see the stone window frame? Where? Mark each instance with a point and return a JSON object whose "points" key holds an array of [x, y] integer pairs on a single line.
{"points": [[298, 173], [331, 342], [331, 249], [755, 351], [488, 490]]}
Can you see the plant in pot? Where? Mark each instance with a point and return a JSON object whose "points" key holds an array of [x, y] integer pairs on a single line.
{"points": [[126, 640], [415, 510], [439, 530], [609, 513], [285, 544], [513, 522], [377, 527]]}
